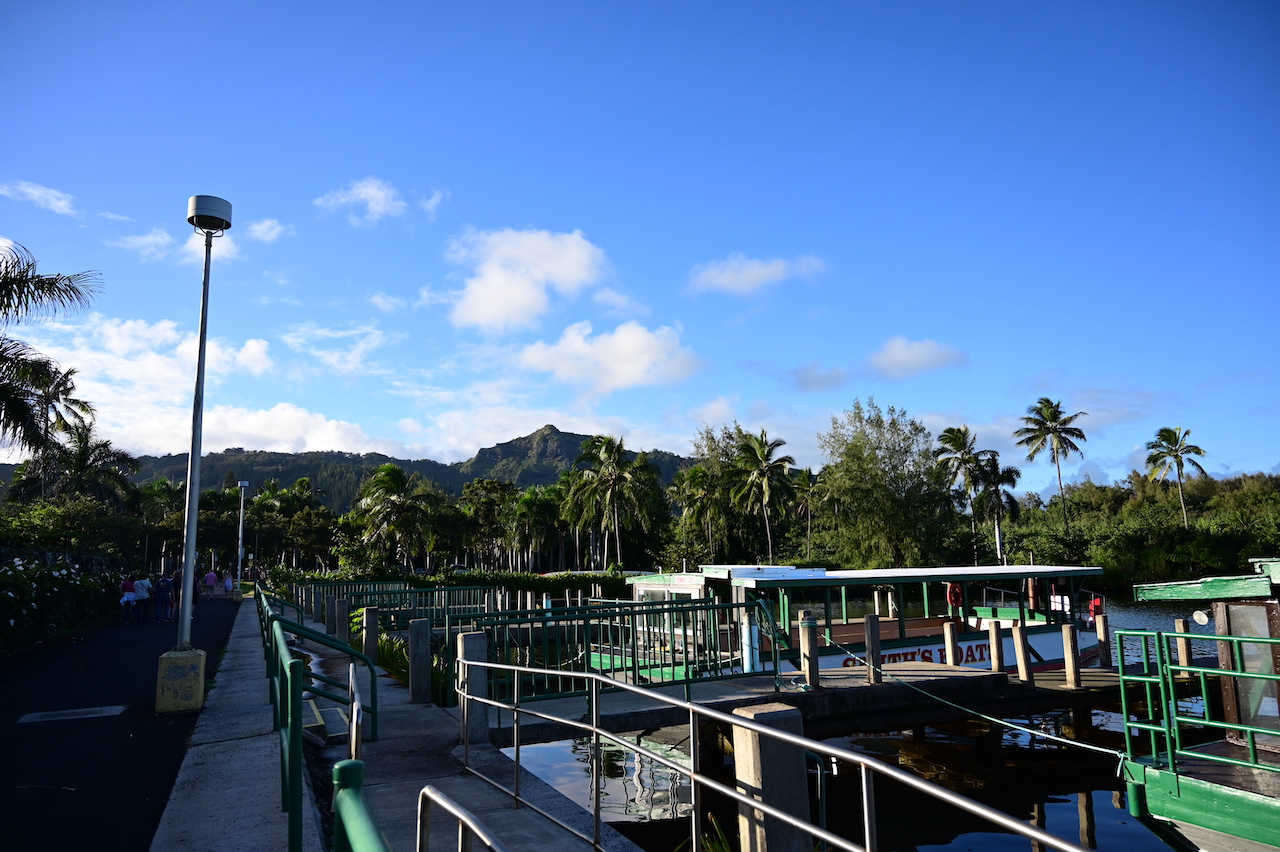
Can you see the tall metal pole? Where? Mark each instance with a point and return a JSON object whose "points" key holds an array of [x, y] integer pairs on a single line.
{"points": [[240, 545], [193, 466]]}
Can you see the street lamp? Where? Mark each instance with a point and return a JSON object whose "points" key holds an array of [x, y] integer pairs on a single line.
{"points": [[210, 216], [240, 543]]}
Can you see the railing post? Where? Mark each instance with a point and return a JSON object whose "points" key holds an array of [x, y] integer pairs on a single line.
{"points": [[1071, 656], [783, 786], [868, 809], [331, 614], [342, 619], [347, 775], [871, 640], [420, 661], [951, 639], [995, 646], [474, 647], [1023, 653], [371, 633], [293, 748], [809, 662]]}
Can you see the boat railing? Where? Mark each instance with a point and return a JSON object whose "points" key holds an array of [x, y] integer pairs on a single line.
{"points": [[1148, 660], [873, 771]]}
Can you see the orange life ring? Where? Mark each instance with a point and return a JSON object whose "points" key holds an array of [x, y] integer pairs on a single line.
{"points": [[955, 597], [849, 662]]}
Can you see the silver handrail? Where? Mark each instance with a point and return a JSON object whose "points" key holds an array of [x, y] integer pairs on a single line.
{"points": [[355, 724], [869, 766], [468, 825]]}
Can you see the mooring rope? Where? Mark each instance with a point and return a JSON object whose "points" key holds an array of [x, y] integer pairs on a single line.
{"points": [[1121, 756]]}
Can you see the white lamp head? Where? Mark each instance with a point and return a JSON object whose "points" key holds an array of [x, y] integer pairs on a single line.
{"points": [[209, 213]]}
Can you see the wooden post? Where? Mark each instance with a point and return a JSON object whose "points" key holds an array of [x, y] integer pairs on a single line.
{"points": [[1023, 653], [951, 638], [784, 786], [995, 649], [420, 661], [872, 641], [1104, 640], [1071, 656], [809, 663], [371, 633], [342, 619], [1182, 625], [878, 598]]}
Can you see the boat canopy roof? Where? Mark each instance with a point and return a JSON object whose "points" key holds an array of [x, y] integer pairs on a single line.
{"points": [[1260, 584], [787, 576]]}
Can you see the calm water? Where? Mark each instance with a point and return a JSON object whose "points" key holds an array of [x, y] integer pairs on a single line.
{"points": [[1074, 793]]}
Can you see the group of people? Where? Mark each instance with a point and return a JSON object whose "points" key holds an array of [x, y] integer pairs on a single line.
{"points": [[137, 592]]}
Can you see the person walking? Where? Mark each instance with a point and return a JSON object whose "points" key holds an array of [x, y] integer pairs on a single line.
{"points": [[164, 600], [141, 599], [210, 582], [229, 583], [127, 598]]}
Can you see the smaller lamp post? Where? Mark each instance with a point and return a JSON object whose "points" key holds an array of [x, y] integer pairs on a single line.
{"points": [[240, 543]]}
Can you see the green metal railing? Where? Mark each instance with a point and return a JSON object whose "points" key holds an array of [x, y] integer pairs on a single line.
{"points": [[354, 828], [396, 608], [641, 642], [1168, 719]]}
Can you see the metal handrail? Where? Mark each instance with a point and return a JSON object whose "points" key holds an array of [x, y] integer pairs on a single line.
{"points": [[468, 825], [280, 649], [869, 766], [355, 724], [1159, 684], [354, 828]]}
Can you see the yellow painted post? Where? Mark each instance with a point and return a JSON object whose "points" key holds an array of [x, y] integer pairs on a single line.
{"points": [[180, 684]]}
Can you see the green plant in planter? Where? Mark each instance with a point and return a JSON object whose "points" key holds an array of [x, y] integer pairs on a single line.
{"points": [[393, 658]]}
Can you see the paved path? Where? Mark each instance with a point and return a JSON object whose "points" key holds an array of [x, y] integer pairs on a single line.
{"points": [[99, 782]]}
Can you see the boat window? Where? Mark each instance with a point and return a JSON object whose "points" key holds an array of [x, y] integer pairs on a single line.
{"points": [[1256, 699]]}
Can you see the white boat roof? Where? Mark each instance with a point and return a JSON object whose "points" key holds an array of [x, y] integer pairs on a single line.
{"points": [[765, 576]]}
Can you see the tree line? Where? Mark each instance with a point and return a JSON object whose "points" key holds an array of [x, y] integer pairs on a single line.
{"points": [[888, 494]]}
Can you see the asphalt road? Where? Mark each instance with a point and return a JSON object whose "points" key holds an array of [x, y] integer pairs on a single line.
{"points": [[103, 782]]}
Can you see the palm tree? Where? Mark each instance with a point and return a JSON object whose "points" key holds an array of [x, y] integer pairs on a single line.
{"points": [[86, 465], [811, 492], [761, 481], [396, 510], [960, 462], [59, 409], [609, 488], [696, 490], [1170, 451], [24, 294], [994, 498], [1047, 427]]}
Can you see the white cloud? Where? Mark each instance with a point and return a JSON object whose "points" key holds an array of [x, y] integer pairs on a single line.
{"points": [[714, 413], [427, 296], [740, 275], [630, 356], [224, 248], [430, 204], [268, 230], [387, 304], [139, 375], [900, 358], [286, 428], [41, 196], [364, 339], [617, 304], [378, 198], [513, 271], [115, 217], [151, 245], [813, 377]]}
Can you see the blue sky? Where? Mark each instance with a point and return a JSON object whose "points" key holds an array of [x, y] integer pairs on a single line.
{"points": [[455, 223]]}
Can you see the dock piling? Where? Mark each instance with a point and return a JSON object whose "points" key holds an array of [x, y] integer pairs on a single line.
{"points": [[1023, 652], [1071, 656], [785, 785], [809, 662], [1104, 640], [1183, 625], [951, 639], [872, 641], [995, 646]]}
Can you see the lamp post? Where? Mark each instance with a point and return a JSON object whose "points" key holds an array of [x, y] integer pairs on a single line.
{"points": [[240, 542], [210, 216]]}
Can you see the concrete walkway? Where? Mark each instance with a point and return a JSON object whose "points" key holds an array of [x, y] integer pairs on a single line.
{"points": [[227, 794]]}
